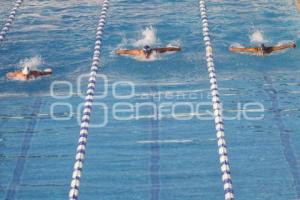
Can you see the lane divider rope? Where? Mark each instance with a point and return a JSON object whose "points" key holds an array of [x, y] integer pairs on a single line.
{"points": [[85, 121], [10, 20], [217, 106]]}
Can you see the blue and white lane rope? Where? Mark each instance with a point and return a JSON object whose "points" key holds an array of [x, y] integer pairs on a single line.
{"points": [[10, 20], [85, 121], [217, 106]]}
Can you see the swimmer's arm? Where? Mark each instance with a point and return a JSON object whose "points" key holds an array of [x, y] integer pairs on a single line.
{"points": [[17, 75], [298, 4], [41, 73], [283, 46], [166, 49], [11, 74], [243, 49], [133, 52], [45, 73]]}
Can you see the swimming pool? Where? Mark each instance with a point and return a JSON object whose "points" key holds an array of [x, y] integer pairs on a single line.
{"points": [[145, 158]]}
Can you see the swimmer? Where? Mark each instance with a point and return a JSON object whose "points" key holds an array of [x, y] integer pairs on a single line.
{"points": [[27, 74], [146, 52], [297, 4], [262, 50]]}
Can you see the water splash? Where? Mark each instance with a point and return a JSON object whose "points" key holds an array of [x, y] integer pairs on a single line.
{"points": [[257, 37], [32, 63], [148, 37], [285, 42], [236, 44], [174, 43]]}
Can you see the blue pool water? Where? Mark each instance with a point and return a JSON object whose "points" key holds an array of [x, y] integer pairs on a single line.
{"points": [[144, 158]]}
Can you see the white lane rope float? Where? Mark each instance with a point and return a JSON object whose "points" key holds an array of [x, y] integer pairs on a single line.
{"points": [[10, 20], [217, 107], [85, 121]]}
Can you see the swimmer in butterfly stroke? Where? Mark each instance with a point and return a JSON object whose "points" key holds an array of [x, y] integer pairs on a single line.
{"points": [[262, 50], [146, 52], [27, 74]]}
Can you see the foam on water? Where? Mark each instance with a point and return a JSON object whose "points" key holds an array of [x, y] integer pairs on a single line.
{"points": [[32, 63], [236, 44], [257, 37], [174, 43], [148, 37], [284, 42]]}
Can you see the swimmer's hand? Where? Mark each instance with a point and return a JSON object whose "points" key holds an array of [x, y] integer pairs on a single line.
{"points": [[293, 45], [10, 75]]}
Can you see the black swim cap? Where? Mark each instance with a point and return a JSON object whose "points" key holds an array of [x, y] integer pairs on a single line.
{"points": [[147, 49], [262, 46]]}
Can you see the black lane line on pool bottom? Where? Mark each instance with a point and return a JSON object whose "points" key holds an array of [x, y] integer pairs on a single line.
{"points": [[19, 168], [285, 138], [2, 189], [155, 152], [2, 160]]}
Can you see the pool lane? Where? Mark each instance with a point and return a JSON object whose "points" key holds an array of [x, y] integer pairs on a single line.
{"points": [[261, 167], [285, 137], [22, 157]]}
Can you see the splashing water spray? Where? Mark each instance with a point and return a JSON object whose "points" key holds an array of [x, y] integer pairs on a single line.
{"points": [[31, 63], [257, 37]]}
